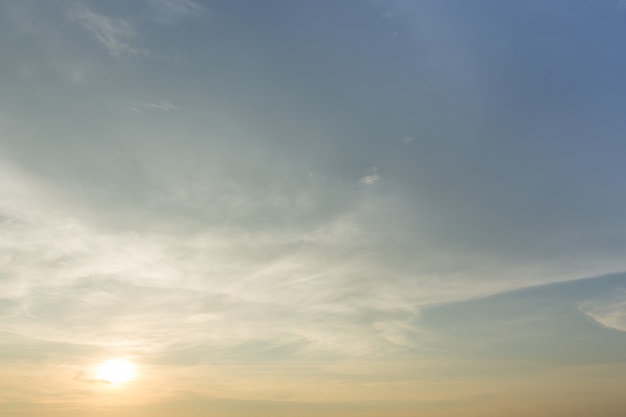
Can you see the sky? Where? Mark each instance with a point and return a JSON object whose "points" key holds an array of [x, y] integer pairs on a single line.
{"points": [[306, 208]]}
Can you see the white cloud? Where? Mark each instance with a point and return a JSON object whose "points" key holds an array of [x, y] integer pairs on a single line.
{"points": [[372, 178], [608, 311], [162, 105], [68, 282], [214, 244], [178, 7], [115, 34], [329, 288]]}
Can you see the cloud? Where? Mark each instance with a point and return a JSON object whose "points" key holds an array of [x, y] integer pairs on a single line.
{"points": [[608, 311], [258, 207], [115, 34], [326, 287], [68, 282], [178, 7], [162, 105], [83, 376], [372, 178], [171, 12]]}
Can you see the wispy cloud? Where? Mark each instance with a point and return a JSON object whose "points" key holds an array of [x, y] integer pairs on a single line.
{"points": [[72, 283], [319, 285], [178, 7], [162, 105], [115, 34], [608, 311], [372, 178], [240, 216]]}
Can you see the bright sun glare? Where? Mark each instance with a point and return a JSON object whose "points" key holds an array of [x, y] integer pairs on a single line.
{"points": [[116, 371]]}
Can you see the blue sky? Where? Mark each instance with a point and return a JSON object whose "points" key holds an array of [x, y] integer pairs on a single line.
{"points": [[313, 207]]}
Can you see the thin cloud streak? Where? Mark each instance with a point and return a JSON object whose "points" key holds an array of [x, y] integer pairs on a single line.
{"points": [[162, 105], [114, 34], [178, 7], [608, 311]]}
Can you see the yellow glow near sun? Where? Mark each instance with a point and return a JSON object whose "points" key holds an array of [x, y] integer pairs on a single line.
{"points": [[116, 371]]}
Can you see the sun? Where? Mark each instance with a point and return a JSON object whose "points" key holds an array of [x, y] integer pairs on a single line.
{"points": [[116, 371]]}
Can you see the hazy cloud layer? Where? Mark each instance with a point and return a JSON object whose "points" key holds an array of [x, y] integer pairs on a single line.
{"points": [[184, 181], [266, 207]]}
